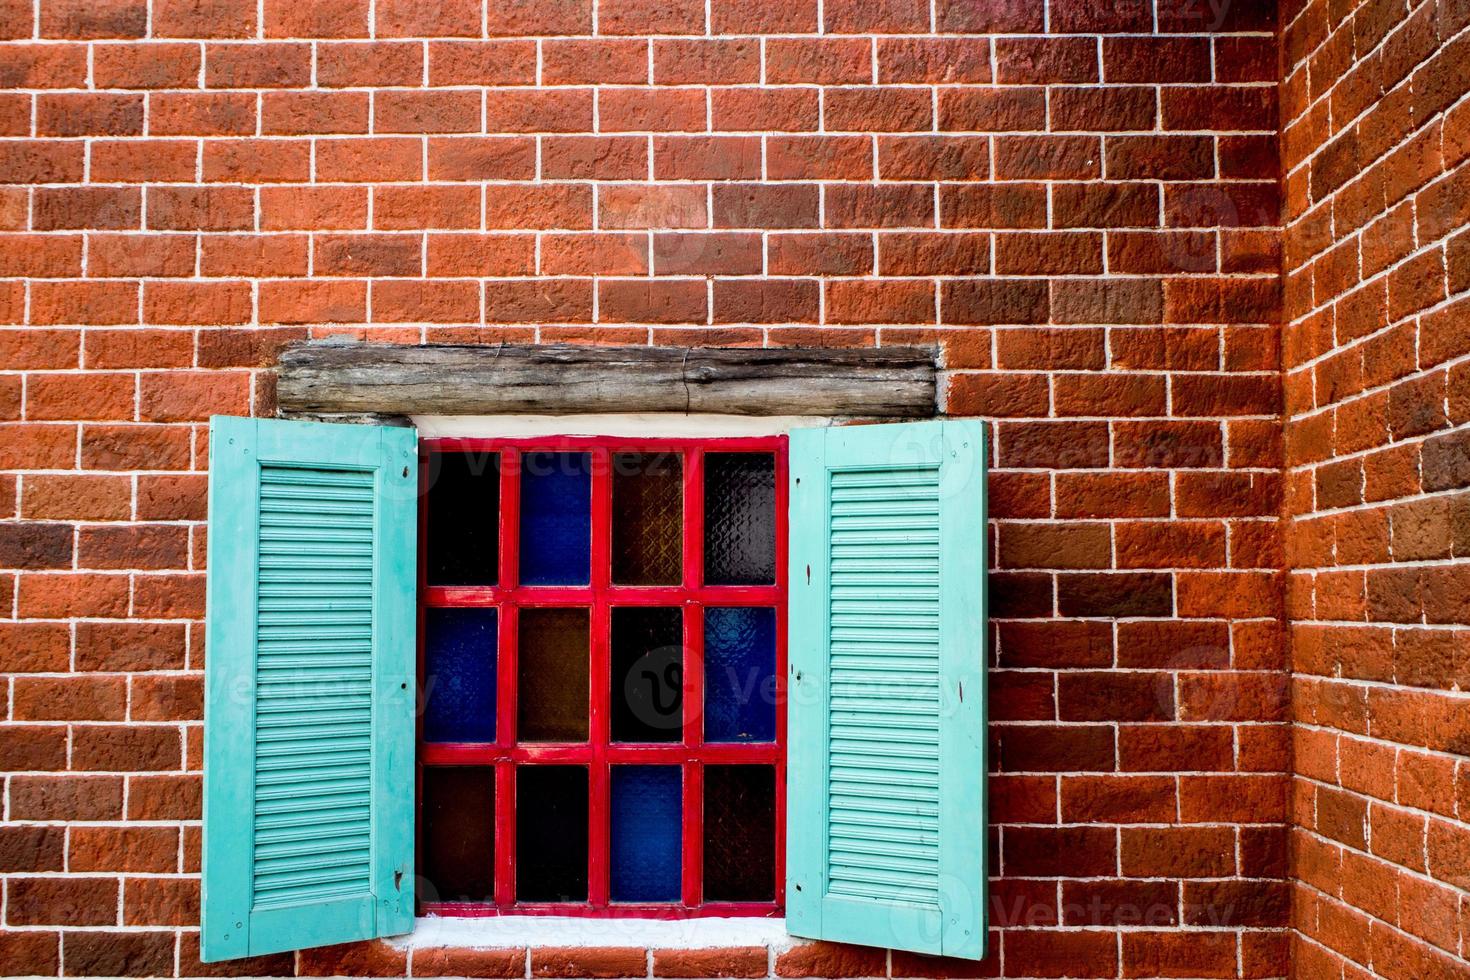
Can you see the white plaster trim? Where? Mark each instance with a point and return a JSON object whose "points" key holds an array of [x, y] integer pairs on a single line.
{"points": [[502, 931], [654, 425]]}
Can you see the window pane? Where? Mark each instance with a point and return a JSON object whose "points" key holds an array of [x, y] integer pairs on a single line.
{"points": [[647, 519], [463, 518], [552, 668], [556, 518], [647, 675], [459, 834], [739, 519], [551, 834], [459, 675], [739, 833], [740, 675], [647, 809]]}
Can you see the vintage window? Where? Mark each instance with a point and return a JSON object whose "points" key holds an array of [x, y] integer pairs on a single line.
{"points": [[529, 675], [602, 675]]}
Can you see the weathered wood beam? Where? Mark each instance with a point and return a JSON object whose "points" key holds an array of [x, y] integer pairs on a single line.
{"points": [[378, 379]]}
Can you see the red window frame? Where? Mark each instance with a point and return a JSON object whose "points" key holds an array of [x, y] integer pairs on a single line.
{"points": [[600, 596]]}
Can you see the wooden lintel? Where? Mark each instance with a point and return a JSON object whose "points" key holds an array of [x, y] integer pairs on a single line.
{"points": [[377, 379]]}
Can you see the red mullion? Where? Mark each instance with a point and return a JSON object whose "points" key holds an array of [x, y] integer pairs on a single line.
{"points": [[599, 675], [621, 444], [783, 529], [692, 884], [462, 596], [420, 697], [660, 754], [506, 701]]}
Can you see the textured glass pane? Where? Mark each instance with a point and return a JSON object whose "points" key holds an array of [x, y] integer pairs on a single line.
{"points": [[739, 519], [463, 512], [458, 859], [647, 519], [459, 675], [647, 808], [551, 834], [740, 675], [552, 667], [556, 518], [739, 833], [647, 674]]}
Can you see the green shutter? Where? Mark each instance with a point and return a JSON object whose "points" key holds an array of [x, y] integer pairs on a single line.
{"points": [[309, 678], [886, 785]]}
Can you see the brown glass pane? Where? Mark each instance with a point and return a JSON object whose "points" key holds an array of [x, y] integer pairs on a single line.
{"points": [[647, 674], [551, 834], [463, 509], [739, 519], [647, 519], [739, 833], [552, 671], [458, 845]]}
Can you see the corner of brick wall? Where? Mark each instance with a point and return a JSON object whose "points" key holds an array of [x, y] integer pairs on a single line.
{"points": [[1376, 154]]}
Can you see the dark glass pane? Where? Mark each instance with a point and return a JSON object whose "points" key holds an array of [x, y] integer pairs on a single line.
{"points": [[740, 675], [739, 519], [739, 833], [647, 674], [556, 518], [459, 675], [647, 519], [458, 860], [463, 513], [551, 834], [552, 667], [647, 808]]}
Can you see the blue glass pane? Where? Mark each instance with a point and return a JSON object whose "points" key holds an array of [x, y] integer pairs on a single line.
{"points": [[740, 675], [647, 809], [459, 675], [556, 518]]}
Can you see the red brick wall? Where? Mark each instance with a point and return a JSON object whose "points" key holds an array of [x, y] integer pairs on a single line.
{"points": [[1376, 152], [1078, 199]]}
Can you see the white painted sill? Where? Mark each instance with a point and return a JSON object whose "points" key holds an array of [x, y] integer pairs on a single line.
{"points": [[510, 931]]}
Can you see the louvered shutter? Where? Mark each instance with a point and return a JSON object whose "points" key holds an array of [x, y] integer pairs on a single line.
{"points": [[309, 678], [886, 755]]}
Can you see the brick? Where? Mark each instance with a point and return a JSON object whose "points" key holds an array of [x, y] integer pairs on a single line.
{"points": [[1056, 954], [752, 109], [822, 959], [66, 497], [820, 61], [455, 962], [706, 61], [737, 961], [588, 961], [1158, 954], [203, 18], [877, 108], [930, 157], [36, 953], [75, 901], [531, 300], [707, 158], [649, 301]]}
